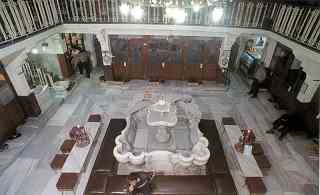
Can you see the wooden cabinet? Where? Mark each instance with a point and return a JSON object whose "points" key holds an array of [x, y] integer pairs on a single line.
{"points": [[165, 58]]}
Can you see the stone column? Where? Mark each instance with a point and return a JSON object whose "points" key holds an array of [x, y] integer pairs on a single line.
{"points": [[103, 38], [26, 96], [225, 49]]}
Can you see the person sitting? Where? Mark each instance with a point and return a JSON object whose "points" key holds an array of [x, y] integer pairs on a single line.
{"points": [[258, 80], [139, 183]]}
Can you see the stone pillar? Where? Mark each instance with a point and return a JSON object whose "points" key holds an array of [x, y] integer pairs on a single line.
{"points": [[103, 38], [26, 97], [225, 50], [89, 43]]}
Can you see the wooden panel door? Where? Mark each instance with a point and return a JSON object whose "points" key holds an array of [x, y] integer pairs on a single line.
{"points": [[120, 51], [165, 62], [194, 59], [210, 69], [281, 60], [173, 67], [138, 58], [157, 55]]}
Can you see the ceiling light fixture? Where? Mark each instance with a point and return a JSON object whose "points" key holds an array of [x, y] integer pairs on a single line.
{"points": [[196, 7], [35, 51], [178, 14], [217, 14], [137, 12], [124, 9]]}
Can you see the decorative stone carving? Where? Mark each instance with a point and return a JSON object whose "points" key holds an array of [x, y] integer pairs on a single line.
{"points": [[173, 130], [103, 38], [226, 49]]}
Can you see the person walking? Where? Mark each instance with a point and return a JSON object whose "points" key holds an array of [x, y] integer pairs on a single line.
{"points": [[258, 79]]}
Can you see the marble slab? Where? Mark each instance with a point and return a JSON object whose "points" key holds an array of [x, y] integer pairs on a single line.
{"points": [[248, 164], [78, 156]]}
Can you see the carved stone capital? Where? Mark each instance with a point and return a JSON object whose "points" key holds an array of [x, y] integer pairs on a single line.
{"points": [[103, 38]]}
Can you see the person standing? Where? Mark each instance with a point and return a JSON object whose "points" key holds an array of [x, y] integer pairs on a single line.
{"points": [[258, 79], [81, 59]]}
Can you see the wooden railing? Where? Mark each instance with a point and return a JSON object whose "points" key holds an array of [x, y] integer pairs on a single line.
{"points": [[23, 17]]}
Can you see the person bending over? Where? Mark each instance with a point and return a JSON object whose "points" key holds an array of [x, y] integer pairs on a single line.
{"points": [[139, 183], [285, 124]]}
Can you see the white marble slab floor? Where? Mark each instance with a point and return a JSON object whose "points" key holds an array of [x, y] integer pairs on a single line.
{"points": [[291, 173]]}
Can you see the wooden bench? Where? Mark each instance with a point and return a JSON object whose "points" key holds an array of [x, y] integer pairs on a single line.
{"points": [[257, 149], [255, 185], [182, 185], [94, 118], [263, 162], [97, 183], [67, 146], [225, 185], [228, 121], [67, 183], [58, 161], [105, 161]]}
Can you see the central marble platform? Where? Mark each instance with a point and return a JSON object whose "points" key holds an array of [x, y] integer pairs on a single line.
{"points": [[162, 128]]}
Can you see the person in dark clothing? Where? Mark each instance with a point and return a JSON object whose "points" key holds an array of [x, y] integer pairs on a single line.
{"points": [[81, 58], [285, 124], [139, 183], [258, 78]]}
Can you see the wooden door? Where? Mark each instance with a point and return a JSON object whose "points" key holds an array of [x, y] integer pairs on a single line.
{"points": [[173, 67], [194, 59], [120, 51], [281, 60], [157, 55], [211, 70], [138, 58], [165, 61]]}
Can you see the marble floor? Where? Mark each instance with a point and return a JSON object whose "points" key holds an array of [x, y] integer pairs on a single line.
{"points": [[26, 170]]}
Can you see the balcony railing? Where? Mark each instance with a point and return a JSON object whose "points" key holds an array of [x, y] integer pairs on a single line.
{"points": [[22, 17]]}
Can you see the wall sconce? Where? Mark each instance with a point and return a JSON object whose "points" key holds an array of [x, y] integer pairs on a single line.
{"points": [[163, 64], [201, 66], [124, 64]]}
